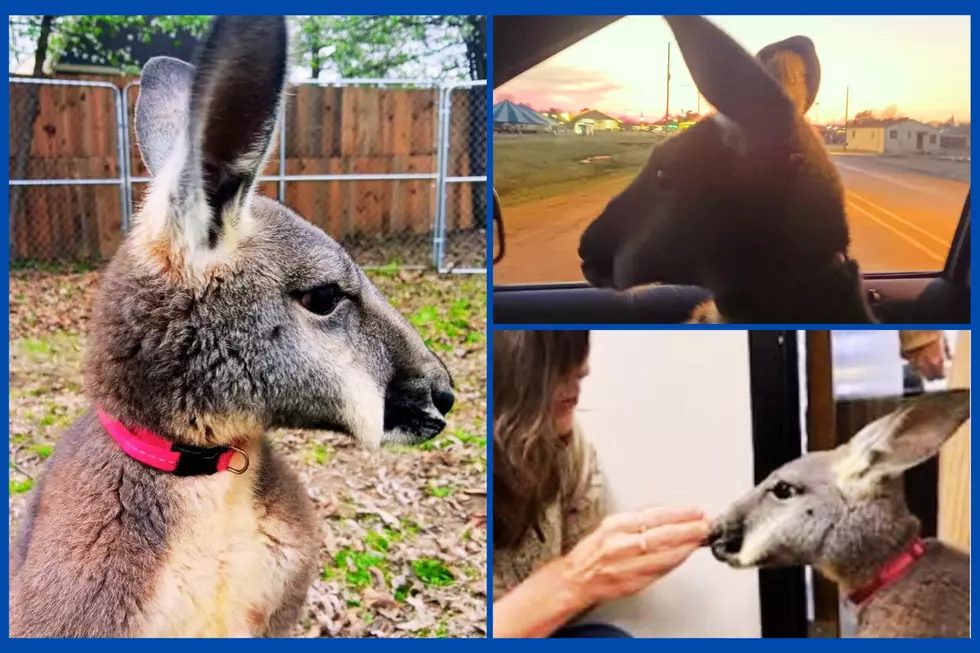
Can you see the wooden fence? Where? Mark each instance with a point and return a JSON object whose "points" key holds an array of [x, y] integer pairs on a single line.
{"points": [[329, 130]]}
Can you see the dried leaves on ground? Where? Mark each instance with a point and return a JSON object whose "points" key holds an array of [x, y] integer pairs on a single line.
{"points": [[404, 550]]}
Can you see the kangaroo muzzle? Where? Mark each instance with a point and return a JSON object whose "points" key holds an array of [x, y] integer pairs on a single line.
{"points": [[725, 540]]}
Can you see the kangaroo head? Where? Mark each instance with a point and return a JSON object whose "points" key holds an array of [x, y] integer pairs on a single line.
{"points": [[842, 511], [745, 196], [224, 313]]}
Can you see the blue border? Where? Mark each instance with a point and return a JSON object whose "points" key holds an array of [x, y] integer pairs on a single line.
{"points": [[957, 7], [489, 207]]}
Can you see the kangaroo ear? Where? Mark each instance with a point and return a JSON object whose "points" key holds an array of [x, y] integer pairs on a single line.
{"points": [[731, 79], [162, 109], [906, 437], [237, 91], [205, 132], [793, 63]]}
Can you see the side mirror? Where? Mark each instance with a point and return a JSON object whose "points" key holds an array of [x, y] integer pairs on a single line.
{"points": [[498, 236]]}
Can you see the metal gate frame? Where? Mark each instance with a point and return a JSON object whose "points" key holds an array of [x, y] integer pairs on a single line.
{"points": [[121, 137], [442, 156]]}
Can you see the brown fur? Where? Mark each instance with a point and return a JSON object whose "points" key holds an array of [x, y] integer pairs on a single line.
{"points": [[148, 554]]}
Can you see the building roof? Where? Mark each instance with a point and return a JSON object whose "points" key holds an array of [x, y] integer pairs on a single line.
{"points": [[592, 114], [877, 123], [508, 112]]}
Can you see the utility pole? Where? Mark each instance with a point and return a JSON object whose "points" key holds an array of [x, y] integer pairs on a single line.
{"points": [[667, 109], [847, 101]]}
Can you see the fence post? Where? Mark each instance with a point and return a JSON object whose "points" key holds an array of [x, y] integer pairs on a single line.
{"points": [[282, 154], [440, 241], [440, 186], [128, 173], [120, 151]]}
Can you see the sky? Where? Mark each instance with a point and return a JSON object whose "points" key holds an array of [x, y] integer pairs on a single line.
{"points": [[921, 64]]}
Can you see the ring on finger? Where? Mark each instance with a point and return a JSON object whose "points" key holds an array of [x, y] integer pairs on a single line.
{"points": [[643, 542]]}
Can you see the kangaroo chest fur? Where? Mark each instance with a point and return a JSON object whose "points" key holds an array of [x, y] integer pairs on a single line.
{"points": [[112, 548], [228, 566]]}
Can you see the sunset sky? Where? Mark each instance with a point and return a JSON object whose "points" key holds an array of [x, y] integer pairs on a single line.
{"points": [[919, 63]]}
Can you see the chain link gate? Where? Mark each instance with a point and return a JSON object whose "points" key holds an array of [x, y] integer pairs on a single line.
{"points": [[461, 234], [67, 186], [378, 147]]}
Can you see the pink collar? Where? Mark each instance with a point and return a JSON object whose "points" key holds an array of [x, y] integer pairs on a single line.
{"points": [[890, 572], [150, 449]]}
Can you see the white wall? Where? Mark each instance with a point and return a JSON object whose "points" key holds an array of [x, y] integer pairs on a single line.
{"points": [[669, 413], [905, 140]]}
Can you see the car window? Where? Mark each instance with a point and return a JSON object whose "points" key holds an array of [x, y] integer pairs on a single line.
{"points": [[893, 109]]}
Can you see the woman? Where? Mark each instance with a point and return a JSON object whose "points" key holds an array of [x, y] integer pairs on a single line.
{"points": [[556, 554]]}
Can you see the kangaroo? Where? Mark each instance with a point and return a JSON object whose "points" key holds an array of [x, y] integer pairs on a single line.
{"points": [[746, 203], [844, 512], [166, 511]]}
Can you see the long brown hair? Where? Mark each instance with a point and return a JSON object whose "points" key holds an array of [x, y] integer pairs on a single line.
{"points": [[528, 369]]}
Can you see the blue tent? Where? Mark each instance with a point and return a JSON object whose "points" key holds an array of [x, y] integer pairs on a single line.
{"points": [[509, 113]]}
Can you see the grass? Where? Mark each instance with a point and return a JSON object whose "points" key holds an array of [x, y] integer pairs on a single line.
{"points": [[41, 450], [444, 327], [433, 572], [440, 491], [447, 440], [318, 454], [21, 487], [356, 566], [533, 167]]}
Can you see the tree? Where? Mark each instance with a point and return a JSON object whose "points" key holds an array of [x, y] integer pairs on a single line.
{"points": [[890, 112], [48, 38], [404, 47], [392, 46], [867, 114]]}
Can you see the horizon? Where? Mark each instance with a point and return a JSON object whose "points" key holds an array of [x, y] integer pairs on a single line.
{"points": [[891, 64], [651, 120]]}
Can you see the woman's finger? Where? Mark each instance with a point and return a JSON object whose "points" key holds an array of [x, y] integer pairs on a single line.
{"points": [[657, 516], [619, 546], [639, 521], [674, 535], [655, 564]]}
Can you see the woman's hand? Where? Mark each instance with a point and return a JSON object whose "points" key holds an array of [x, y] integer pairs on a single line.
{"points": [[930, 359], [622, 556], [629, 551]]}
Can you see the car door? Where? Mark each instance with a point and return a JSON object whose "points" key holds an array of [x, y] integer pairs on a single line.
{"points": [[939, 297], [910, 229]]}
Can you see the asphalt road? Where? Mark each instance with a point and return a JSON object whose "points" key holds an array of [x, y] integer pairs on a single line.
{"points": [[900, 220]]}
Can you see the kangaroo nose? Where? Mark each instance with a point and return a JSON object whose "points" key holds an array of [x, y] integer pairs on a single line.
{"points": [[726, 539], [443, 399], [713, 535]]}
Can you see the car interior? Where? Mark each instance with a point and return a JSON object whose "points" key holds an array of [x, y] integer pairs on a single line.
{"points": [[522, 42]]}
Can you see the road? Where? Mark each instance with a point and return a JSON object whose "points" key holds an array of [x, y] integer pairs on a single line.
{"points": [[900, 220]]}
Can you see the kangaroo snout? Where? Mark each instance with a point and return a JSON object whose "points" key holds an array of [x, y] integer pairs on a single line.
{"points": [[725, 540], [417, 401], [596, 254]]}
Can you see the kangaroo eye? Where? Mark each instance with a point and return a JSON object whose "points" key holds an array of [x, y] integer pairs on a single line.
{"points": [[322, 300], [663, 179], [783, 490]]}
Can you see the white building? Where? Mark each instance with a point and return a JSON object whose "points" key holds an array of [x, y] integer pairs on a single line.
{"points": [[900, 136]]}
